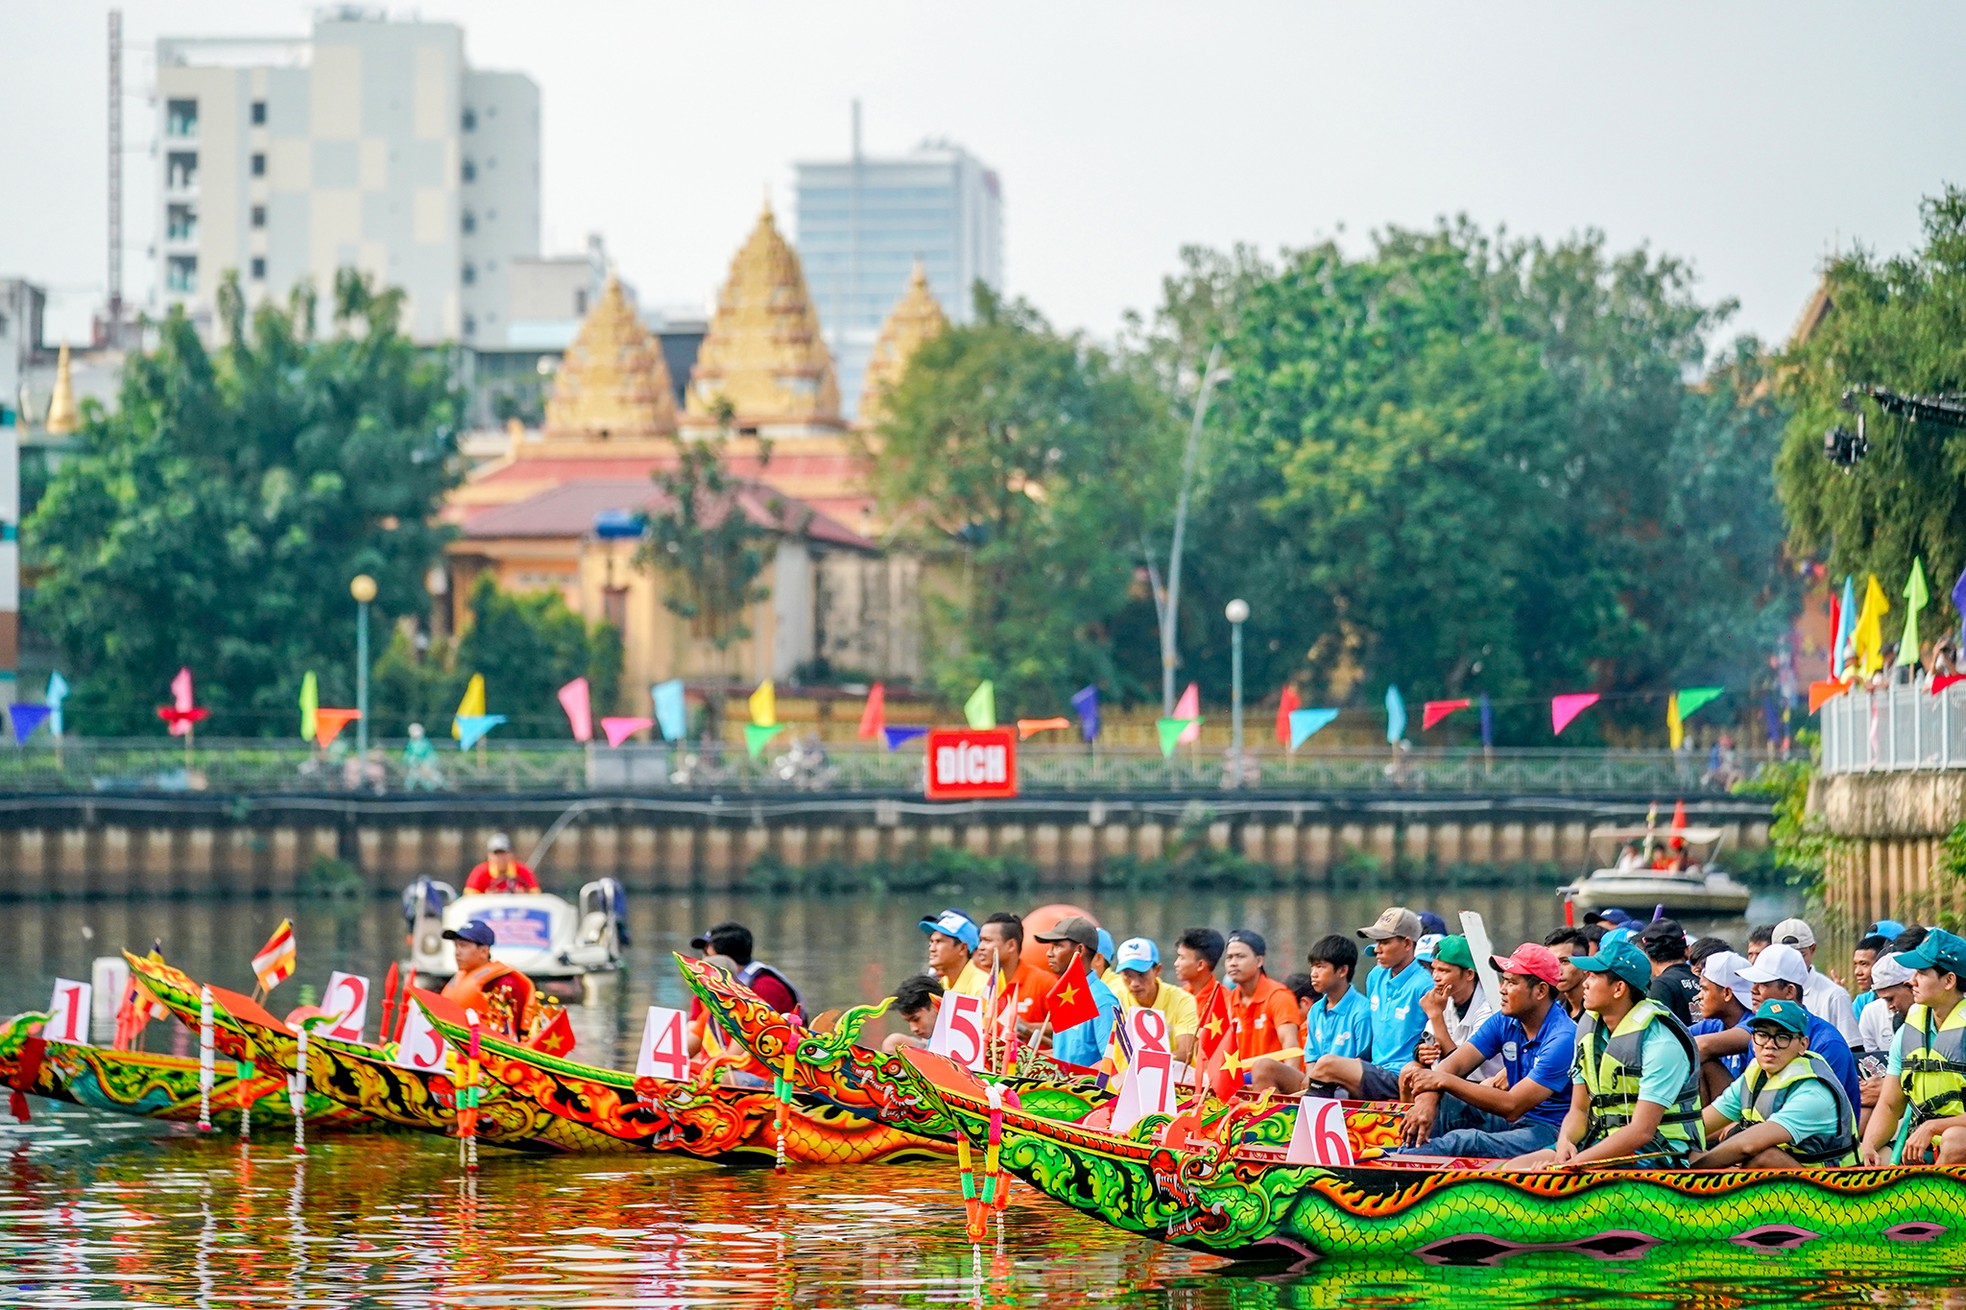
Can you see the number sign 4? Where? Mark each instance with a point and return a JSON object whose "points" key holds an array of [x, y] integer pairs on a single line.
{"points": [[664, 1053]]}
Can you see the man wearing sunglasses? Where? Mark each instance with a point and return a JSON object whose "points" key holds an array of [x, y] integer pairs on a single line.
{"points": [[1790, 1106]]}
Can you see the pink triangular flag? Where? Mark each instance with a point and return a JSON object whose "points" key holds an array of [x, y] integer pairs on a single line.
{"points": [[580, 713], [181, 697], [1189, 707], [1565, 708], [619, 730]]}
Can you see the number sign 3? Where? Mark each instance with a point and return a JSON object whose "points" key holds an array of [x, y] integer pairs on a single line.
{"points": [[422, 1046]]}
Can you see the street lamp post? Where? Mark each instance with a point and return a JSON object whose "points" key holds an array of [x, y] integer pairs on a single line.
{"points": [[1237, 612], [362, 588]]}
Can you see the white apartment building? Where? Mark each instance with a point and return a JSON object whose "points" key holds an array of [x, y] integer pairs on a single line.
{"points": [[371, 144]]}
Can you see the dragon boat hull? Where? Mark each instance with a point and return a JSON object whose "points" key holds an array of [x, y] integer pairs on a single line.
{"points": [[1233, 1203]]}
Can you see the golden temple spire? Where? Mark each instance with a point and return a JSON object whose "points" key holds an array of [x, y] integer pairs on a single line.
{"points": [[63, 416], [612, 381], [763, 356], [915, 318]]}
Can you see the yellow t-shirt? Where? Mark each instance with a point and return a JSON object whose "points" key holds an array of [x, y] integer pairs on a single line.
{"points": [[972, 981], [1176, 1005]]}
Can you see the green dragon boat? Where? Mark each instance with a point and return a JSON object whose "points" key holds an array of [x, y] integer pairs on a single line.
{"points": [[1209, 1190]]}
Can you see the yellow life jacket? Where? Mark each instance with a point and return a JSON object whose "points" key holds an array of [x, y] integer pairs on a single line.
{"points": [[1762, 1098], [1613, 1069], [1934, 1066]]}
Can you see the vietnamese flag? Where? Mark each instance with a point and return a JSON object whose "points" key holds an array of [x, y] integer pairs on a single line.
{"points": [[556, 1038], [1069, 1003], [1214, 1020]]}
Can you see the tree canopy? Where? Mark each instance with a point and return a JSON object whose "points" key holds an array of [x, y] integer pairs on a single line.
{"points": [[215, 519]]}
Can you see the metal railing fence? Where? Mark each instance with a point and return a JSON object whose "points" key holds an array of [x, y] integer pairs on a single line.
{"points": [[1894, 729]]}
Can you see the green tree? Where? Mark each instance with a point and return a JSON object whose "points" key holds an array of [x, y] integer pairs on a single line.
{"points": [[214, 520], [707, 550], [1897, 322], [528, 645], [1030, 461]]}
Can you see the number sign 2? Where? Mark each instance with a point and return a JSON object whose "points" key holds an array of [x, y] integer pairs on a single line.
{"points": [[347, 1002], [68, 1013], [959, 1030], [1320, 1136], [422, 1046], [663, 1054]]}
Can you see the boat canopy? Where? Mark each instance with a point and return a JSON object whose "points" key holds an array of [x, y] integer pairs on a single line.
{"points": [[1694, 836]]}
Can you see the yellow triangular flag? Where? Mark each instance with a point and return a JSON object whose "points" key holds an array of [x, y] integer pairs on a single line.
{"points": [[1675, 726], [472, 705], [764, 705], [1870, 629]]}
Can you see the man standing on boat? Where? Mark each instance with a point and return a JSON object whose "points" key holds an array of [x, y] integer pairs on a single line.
{"points": [[502, 996], [1928, 1061], [498, 872], [1458, 1112], [1823, 996], [1634, 1095], [1791, 1110]]}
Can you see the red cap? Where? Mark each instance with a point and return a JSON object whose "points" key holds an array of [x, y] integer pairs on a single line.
{"points": [[1531, 961]]}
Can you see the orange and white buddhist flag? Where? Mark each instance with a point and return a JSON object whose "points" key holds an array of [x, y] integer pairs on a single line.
{"points": [[275, 962]]}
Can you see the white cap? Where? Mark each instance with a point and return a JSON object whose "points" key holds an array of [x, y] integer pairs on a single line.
{"points": [[1423, 950], [1887, 972], [1779, 964], [1793, 932], [1723, 970]]}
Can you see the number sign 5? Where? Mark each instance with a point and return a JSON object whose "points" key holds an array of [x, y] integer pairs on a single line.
{"points": [[959, 1030]]}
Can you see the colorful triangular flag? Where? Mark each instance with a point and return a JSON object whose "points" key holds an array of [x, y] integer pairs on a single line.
{"points": [[1304, 724], [310, 704], [671, 711], [470, 705], [1172, 731], [1395, 715], [873, 715], [329, 723], [1287, 704], [274, 962], [57, 692], [1085, 703], [764, 706], [1567, 707], [1916, 598], [897, 736], [26, 718], [1189, 707], [757, 734], [618, 729], [1869, 636], [980, 710], [576, 698], [1029, 727], [471, 728], [1433, 711]]}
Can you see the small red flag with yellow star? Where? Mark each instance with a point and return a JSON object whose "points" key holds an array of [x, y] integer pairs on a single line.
{"points": [[556, 1038], [1069, 1003]]}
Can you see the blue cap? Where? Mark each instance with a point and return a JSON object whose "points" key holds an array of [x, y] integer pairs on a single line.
{"points": [[1621, 960], [1613, 937], [1105, 946], [1940, 950], [1886, 928], [1432, 924], [1137, 954], [1615, 917], [1783, 1014], [956, 924], [476, 930]]}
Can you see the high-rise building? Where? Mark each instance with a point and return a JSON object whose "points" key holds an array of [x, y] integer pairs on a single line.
{"points": [[371, 144], [862, 224]]}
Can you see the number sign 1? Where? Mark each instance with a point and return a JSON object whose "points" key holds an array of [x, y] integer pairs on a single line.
{"points": [[1320, 1136], [68, 1013], [422, 1046], [663, 1054], [346, 1002], [959, 1030]]}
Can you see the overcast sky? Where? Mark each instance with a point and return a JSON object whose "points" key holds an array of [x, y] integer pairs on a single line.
{"points": [[1750, 138]]}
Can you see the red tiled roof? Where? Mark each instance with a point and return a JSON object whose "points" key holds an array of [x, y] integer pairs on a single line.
{"points": [[784, 466], [569, 509]]}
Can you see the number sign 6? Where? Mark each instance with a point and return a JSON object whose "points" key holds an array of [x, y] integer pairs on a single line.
{"points": [[347, 1001], [1320, 1136]]}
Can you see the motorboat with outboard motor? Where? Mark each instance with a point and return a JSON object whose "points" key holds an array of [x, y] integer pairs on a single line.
{"points": [[1691, 884], [561, 946]]}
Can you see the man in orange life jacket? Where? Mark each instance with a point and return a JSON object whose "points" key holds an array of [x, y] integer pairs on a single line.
{"points": [[479, 978]]}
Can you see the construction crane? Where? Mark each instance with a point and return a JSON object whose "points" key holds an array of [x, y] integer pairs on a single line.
{"points": [[1844, 446]]}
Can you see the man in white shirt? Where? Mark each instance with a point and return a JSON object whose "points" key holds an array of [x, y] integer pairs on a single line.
{"points": [[1880, 1021], [1823, 997], [1455, 1007]]}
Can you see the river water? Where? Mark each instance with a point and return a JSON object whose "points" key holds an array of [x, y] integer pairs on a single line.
{"points": [[101, 1211]]}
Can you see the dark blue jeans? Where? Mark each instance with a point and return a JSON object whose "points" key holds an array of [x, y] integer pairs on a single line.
{"points": [[1460, 1129]]}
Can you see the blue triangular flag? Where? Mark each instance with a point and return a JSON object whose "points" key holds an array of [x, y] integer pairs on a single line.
{"points": [[1086, 702], [671, 714], [1305, 723], [58, 692], [1846, 627], [27, 718], [1958, 604], [897, 737], [1395, 716], [1487, 721], [471, 728]]}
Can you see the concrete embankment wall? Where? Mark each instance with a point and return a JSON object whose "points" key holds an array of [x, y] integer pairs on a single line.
{"points": [[1888, 830], [112, 847]]}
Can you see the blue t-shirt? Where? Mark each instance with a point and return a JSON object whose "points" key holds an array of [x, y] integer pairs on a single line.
{"points": [[1547, 1058], [1809, 1111], [1735, 1064], [1827, 1042], [1397, 1019], [1085, 1043], [1344, 1029]]}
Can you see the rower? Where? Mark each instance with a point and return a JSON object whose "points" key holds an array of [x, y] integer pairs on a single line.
{"points": [[1779, 973], [915, 1001], [1138, 961], [952, 941], [734, 940], [501, 995], [498, 872], [1928, 1061], [1635, 1096], [1791, 1109]]}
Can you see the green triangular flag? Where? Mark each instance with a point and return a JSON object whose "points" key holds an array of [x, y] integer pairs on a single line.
{"points": [[310, 704], [981, 707], [1692, 698], [757, 734], [1170, 733], [1915, 600]]}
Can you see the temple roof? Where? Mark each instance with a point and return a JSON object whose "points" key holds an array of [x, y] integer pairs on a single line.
{"points": [[612, 381], [915, 318], [569, 510], [763, 353], [63, 416]]}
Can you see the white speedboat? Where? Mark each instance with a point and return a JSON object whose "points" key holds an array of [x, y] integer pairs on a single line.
{"points": [[1700, 889], [556, 944]]}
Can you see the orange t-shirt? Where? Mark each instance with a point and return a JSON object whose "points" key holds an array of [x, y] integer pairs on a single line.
{"points": [[1256, 1020], [1032, 983]]}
